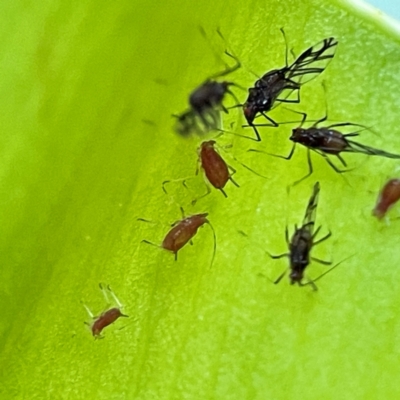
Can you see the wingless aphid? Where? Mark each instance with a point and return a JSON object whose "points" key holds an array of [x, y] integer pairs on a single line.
{"points": [[270, 87], [108, 316], [182, 232], [301, 243], [216, 170], [206, 102], [389, 195]]}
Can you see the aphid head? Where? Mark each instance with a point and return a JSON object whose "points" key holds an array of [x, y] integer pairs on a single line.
{"points": [[208, 144], [298, 135], [249, 113]]}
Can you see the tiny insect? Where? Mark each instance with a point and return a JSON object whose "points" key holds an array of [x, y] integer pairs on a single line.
{"points": [[268, 89], [182, 232], [388, 196], [216, 170], [206, 102], [327, 141], [108, 316], [301, 243]]}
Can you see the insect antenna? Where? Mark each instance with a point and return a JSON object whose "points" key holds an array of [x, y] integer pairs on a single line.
{"points": [[312, 282], [286, 47], [215, 244], [228, 69]]}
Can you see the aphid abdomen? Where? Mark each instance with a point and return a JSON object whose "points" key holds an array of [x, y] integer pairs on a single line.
{"points": [[389, 195], [105, 319], [300, 247], [333, 141], [326, 140], [215, 168]]}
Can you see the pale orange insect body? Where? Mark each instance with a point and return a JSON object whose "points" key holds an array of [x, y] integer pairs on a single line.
{"points": [[108, 316], [388, 196], [182, 232]]}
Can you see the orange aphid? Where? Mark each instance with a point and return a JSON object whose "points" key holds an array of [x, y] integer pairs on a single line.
{"points": [[107, 317], [388, 196], [183, 231], [214, 166]]}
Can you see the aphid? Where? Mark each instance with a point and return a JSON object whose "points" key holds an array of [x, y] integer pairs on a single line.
{"points": [[107, 317], [327, 141], [206, 102], [301, 243], [268, 89], [388, 196], [182, 232], [216, 170]]}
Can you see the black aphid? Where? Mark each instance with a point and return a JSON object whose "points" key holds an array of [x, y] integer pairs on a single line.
{"points": [[206, 102], [328, 141], [278, 84], [301, 243]]}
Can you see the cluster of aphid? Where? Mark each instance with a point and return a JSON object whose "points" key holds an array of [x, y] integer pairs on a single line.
{"points": [[273, 88]]}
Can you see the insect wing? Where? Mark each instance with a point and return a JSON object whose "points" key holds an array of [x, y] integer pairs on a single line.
{"points": [[354, 147], [190, 122], [311, 211], [313, 61]]}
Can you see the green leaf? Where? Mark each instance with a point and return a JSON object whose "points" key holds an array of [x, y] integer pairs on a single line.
{"points": [[87, 92]]}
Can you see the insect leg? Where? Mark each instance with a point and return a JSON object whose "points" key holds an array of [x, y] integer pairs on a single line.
{"points": [[91, 315], [151, 243], [288, 157], [333, 166], [341, 160], [345, 124], [194, 201], [323, 262], [309, 282], [167, 182], [322, 239], [277, 280], [116, 300], [310, 169], [244, 166], [233, 171], [277, 256], [228, 69], [287, 235], [330, 269], [104, 289]]}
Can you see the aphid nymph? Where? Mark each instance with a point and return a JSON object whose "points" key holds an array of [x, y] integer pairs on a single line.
{"points": [[388, 196], [108, 316], [182, 232]]}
